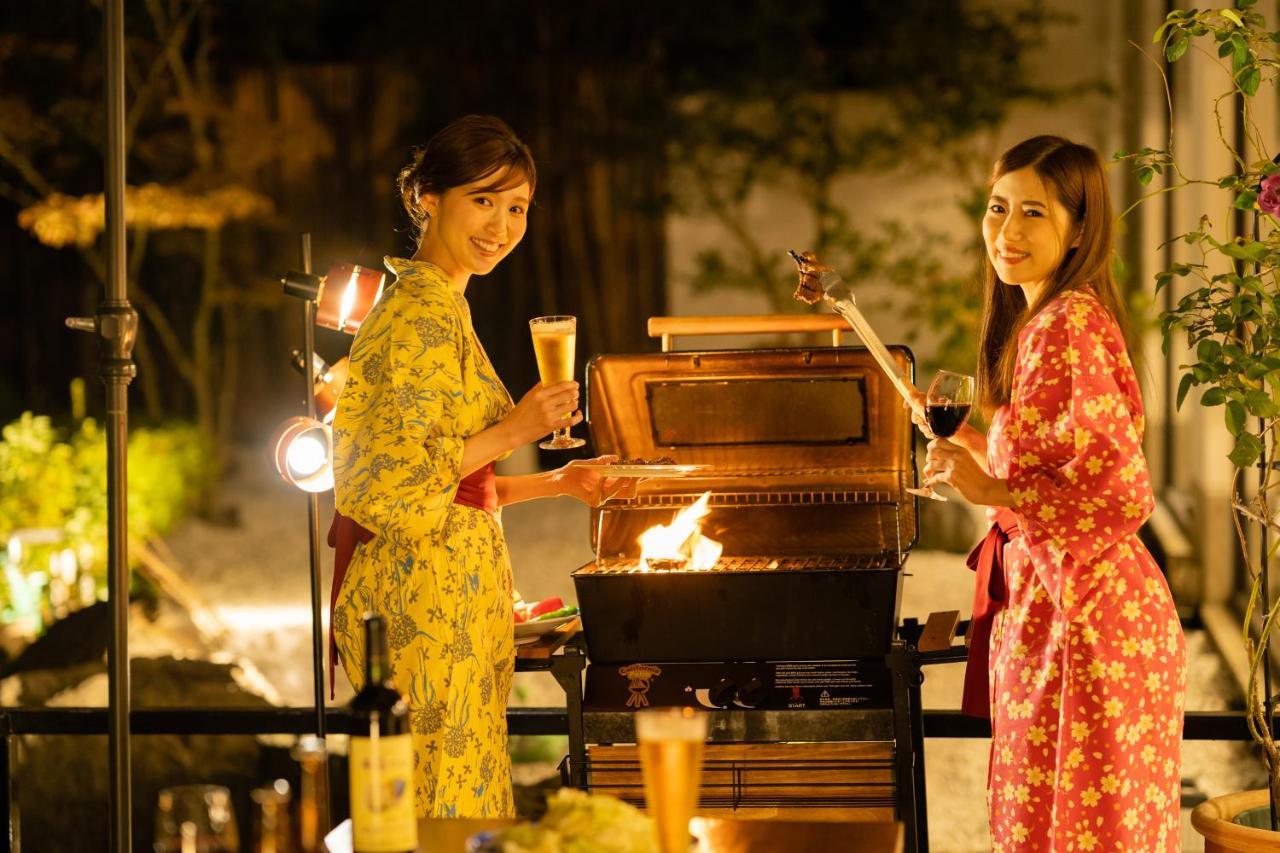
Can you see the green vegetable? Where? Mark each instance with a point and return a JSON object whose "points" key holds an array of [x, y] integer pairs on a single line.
{"points": [[582, 823], [568, 610]]}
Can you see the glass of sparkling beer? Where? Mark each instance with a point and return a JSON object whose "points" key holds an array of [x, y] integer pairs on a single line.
{"points": [[671, 742], [553, 344]]}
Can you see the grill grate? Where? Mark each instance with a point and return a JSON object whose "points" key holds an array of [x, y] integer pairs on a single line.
{"points": [[762, 498], [626, 565]]}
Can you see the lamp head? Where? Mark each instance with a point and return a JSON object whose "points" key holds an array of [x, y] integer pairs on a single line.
{"points": [[348, 295], [343, 296], [302, 450]]}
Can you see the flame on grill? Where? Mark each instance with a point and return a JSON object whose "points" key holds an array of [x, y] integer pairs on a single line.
{"points": [[680, 544]]}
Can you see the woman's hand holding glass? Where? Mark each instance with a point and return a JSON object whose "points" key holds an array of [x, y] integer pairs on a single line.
{"points": [[554, 340], [587, 484], [943, 414], [948, 462], [916, 407], [544, 409]]}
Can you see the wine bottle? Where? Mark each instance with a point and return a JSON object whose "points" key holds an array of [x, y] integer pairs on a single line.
{"points": [[383, 819]]}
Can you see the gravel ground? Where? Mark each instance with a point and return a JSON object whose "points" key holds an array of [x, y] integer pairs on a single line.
{"points": [[255, 579]]}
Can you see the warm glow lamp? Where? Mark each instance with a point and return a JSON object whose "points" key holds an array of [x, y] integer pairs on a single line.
{"points": [[343, 296], [327, 380], [302, 449], [328, 387]]}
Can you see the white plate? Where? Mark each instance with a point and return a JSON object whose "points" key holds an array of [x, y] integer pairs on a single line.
{"points": [[543, 626], [648, 472]]}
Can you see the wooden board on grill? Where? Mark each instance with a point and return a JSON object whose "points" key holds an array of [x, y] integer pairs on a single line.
{"points": [[800, 781]]}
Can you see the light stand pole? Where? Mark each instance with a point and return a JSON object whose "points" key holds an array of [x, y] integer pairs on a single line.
{"points": [[313, 544], [339, 300], [116, 325]]}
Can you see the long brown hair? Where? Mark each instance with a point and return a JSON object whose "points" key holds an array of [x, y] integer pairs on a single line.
{"points": [[1074, 174], [464, 151]]}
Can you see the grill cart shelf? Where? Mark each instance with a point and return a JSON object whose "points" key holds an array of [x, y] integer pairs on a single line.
{"points": [[790, 640]]}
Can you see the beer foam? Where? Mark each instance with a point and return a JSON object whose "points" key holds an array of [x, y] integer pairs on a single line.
{"points": [[559, 327], [671, 724]]}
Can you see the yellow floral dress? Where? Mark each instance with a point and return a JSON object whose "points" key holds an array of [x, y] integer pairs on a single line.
{"points": [[437, 571]]}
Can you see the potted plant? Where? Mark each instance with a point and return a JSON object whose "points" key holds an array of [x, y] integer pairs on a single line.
{"points": [[1232, 323]]}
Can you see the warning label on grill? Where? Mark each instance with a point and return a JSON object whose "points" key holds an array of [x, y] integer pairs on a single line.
{"points": [[826, 700], [817, 675]]}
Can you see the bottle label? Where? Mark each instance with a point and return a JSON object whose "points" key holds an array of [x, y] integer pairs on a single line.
{"points": [[383, 819]]}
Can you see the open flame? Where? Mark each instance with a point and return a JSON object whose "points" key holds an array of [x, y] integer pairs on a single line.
{"points": [[680, 544], [348, 298]]}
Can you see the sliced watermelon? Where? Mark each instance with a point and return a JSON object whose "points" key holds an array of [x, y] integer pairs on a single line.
{"points": [[545, 606]]}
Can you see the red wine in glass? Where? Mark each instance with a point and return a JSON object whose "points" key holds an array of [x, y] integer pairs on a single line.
{"points": [[946, 408], [946, 418]]}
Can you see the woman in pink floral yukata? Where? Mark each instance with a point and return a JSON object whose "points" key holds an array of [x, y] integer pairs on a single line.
{"points": [[1087, 664]]}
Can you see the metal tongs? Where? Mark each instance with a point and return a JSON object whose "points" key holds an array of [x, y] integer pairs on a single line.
{"points": [[821, 282]]}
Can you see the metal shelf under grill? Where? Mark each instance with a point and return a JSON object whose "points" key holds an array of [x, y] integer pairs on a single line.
{"points": [[627, 565]]}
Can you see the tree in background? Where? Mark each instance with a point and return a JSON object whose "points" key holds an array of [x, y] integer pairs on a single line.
{"points": [[860, 88], [194, 217], [633, 110]]}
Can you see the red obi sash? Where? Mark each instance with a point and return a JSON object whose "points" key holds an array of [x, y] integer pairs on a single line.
{"points": [[987, 560], [478, 490]]}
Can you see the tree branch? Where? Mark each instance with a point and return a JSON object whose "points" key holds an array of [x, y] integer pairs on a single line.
{"points": [[25, 167]]}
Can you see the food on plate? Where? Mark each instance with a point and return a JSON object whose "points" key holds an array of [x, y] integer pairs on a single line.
{"points": [[560, 613], [577, 822], [546, 605], [541, 611], [642, 460]]}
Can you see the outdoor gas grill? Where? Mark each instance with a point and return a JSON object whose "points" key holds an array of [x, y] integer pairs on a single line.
{"points": [[788, 640]]}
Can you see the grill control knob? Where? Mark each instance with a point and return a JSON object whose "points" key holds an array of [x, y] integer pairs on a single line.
{"points": [[753, 693], [722, 694]]}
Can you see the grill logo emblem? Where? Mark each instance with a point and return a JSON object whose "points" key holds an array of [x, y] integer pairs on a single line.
{"points": [[639, 676]]}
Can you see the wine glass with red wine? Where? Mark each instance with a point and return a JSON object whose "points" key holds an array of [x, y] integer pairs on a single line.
{"points": [[946, 407]]}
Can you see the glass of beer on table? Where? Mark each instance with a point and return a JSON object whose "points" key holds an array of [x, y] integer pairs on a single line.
{"points": [[671, 742], [553, 345]]}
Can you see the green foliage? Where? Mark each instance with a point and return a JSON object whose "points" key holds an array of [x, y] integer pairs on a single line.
{"points": [[53, 485], [530, 749], [1232, 321]]}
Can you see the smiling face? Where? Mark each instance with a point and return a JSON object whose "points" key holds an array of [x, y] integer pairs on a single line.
{"points": [[474, 226], [1026, 229]]}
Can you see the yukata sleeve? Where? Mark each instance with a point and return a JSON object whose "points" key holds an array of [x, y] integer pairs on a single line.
{"points": [[411, 468], [1077, 476]]}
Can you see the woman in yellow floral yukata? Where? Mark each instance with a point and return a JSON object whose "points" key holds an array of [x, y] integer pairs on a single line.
{"points": [[1087, 663], [420, 423]]}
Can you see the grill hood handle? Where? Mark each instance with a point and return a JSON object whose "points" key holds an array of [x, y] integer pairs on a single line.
{"points": [[670, 328]]}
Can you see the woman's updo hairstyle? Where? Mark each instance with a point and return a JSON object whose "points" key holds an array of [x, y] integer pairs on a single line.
{"points": [[467, 150]]}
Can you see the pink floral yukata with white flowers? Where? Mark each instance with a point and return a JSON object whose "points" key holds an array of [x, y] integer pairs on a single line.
{"points": [[1088, 661]]}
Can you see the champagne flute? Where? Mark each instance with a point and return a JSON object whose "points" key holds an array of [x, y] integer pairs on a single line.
{"points": [[553, 344], [946, 408], [671, 742], [195, 819]]}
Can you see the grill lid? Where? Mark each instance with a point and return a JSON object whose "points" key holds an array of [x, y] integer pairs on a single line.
{"points": [[814, 443]]}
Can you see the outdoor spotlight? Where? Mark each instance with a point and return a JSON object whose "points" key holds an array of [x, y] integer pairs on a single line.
{"points": [[343, 296], [303, 453], [328, 387], [328, 380]]}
